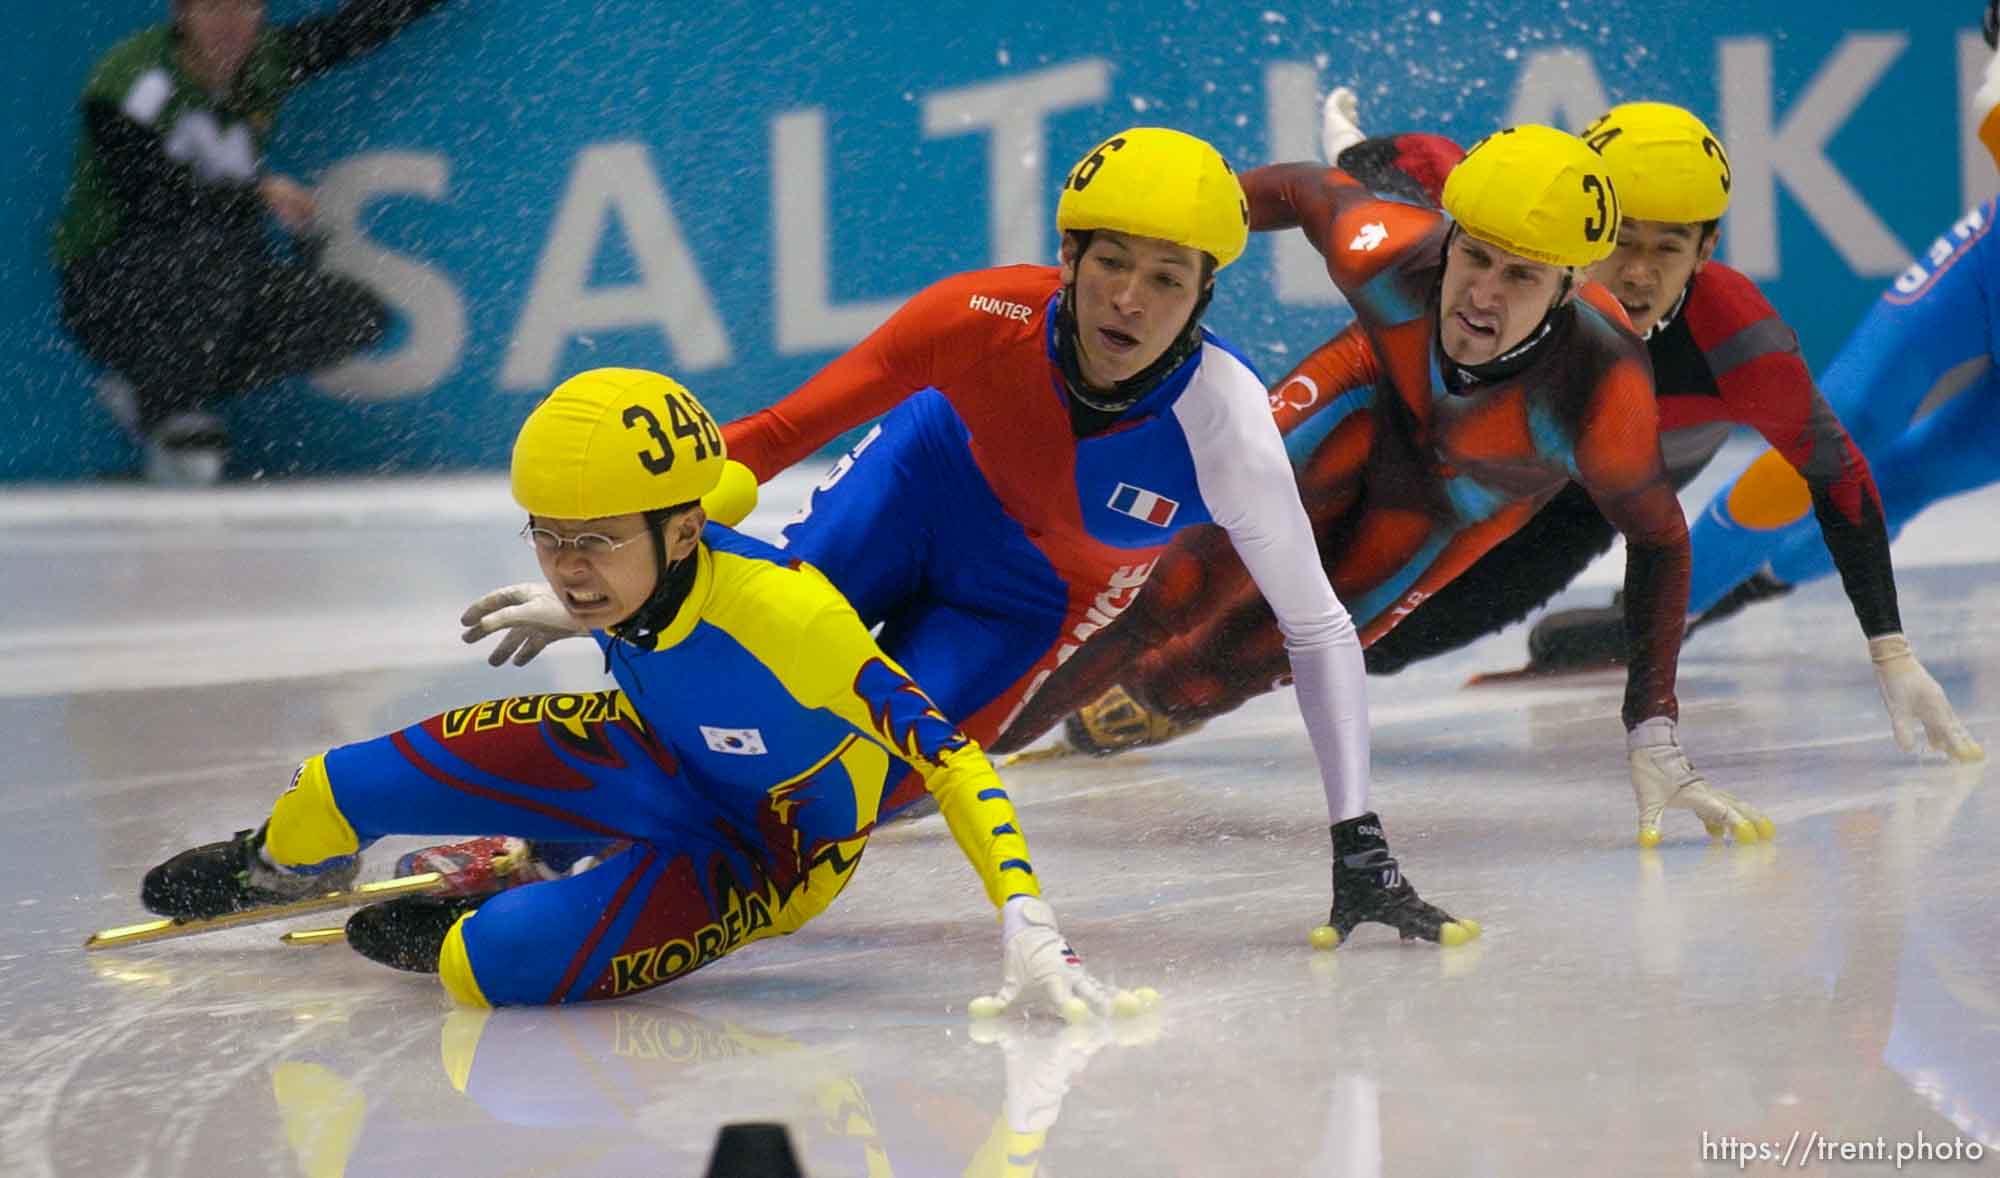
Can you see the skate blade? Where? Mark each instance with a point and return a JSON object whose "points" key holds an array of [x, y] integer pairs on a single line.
{"points": [[165, 930], [1047, 752], [1541, 674], [337, 935]]}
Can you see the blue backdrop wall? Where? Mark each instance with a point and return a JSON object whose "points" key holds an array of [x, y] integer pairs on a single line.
{"points": [[733, 191]]}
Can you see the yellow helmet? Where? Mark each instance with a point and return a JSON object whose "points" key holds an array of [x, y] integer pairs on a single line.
{"points": [[1667, 164], [615, 441], [1537, 192], [1153, 182]]}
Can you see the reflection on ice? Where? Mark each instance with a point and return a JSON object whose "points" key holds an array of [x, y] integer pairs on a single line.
{"points": [[1838, 980]]}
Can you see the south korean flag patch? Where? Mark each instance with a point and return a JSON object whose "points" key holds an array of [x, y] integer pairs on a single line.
{"points": [[738, 742], [1143, 505]]}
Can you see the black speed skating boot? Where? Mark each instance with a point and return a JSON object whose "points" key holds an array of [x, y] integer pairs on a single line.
{"points": [[408, 932], [219, 878], [1760, 586], [1579, 639], [1368, 886]]}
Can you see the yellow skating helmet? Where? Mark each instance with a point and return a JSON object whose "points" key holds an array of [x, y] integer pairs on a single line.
{"points": [[1537, 192], [1667, 164], [1154, 182], [615, 441]]}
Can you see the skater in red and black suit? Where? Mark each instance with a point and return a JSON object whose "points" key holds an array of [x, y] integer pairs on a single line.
{"points": [[1722, 358], [1479, 379]]}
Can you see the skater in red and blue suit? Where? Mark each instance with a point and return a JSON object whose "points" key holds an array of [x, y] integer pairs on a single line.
{"points": [[1044, 433]]}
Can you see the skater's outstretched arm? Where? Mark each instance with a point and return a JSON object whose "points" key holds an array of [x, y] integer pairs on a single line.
{"points": [[925, 343], [1764, 382], [847, 674], [1618, 462]]}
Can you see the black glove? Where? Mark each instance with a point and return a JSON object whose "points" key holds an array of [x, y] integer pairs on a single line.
{"points": [[1989, 25]]}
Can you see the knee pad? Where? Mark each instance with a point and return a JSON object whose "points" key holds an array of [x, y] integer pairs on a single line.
{"points": [[306, 825], [1769, 495]]}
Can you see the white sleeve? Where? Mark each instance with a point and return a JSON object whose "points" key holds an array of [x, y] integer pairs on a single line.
{"points": [[1247, 484]]}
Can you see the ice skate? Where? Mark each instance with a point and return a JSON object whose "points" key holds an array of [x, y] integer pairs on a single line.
{"points": [[1568, 642], [408, 933], [1115, 722], [1579, 639], [1760, 586], [228, 885], [1368, 886], [220, 878]]}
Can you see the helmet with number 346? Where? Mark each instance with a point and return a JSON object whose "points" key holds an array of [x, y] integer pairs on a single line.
{"points": [[615, 441]]}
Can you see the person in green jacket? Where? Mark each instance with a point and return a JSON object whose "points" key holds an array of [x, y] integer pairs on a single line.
{"points": [[171, 277]]}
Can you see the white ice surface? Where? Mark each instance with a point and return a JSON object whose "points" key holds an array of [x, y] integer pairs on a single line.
{"points": [[166, 659]]}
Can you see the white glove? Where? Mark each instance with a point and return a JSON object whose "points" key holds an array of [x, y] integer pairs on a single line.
{"points": [[1915, 700], [531, 614], [1039, 958], [1662, 777], [1339, 123]]}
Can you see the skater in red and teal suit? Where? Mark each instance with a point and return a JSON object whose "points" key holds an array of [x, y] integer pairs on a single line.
{"points": [[1724, 359]]}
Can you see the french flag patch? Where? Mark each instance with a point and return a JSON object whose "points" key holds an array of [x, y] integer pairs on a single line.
{"points": [[1142, 504]]}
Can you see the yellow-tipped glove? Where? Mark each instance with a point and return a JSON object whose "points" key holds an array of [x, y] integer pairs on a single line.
{"points": [[1039, 958], [1916, 702], [1663, 778]]}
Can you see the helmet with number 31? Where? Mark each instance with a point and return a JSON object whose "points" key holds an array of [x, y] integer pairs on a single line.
{"points": [[615, 441], [1537, 192]]}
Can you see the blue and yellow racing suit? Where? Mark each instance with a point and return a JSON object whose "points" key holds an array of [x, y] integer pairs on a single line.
{"points": [[736, 772]]}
